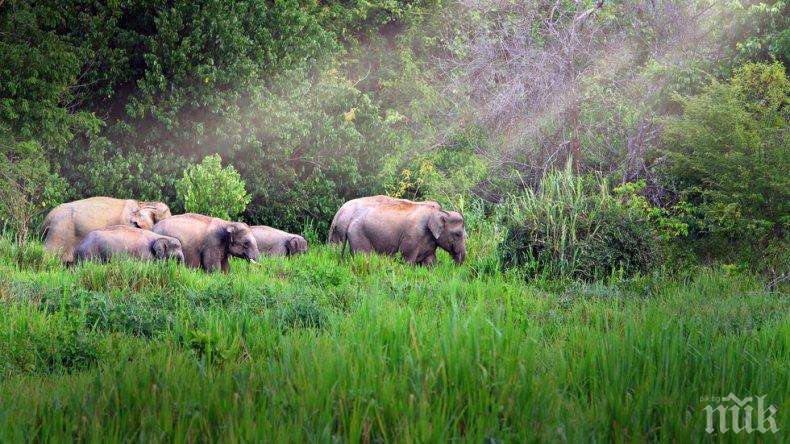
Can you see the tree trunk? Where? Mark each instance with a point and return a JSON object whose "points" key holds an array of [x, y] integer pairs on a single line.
{"points": [[575, 147]]}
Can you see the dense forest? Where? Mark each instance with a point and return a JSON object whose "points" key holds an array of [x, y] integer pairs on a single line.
{"points": [[680, 106]]}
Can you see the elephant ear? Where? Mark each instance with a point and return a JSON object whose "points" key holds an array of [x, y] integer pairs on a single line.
{"points": [[160, 248], [173, 244], [292, 245], [436, 223], [231, 229]]}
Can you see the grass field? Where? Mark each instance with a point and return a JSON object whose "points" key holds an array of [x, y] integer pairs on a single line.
{"points": [[368, 349]]}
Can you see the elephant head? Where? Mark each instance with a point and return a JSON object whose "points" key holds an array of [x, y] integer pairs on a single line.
{"points": [[447, 228], [142, 218], [168, 248], [241, 242], [155, 210], [296, 245], [146, 214]]}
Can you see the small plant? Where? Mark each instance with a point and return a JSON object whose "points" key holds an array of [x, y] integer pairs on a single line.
{"points": [[209, 189]]}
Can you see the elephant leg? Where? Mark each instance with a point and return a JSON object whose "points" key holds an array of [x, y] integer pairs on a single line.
{"points": [[62, 244], [192, 258], [428, 260], [358, 242], [211, 261], [224, 265]]}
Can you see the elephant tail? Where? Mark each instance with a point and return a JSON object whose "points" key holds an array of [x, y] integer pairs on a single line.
{"points": [[344, 240], [46, 227], [343, 250]]}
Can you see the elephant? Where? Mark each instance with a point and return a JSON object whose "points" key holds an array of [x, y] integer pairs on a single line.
{"points": [[101, 245], [208, 241], [66, 225], [274, 242], [350, 209], [412, 229]]}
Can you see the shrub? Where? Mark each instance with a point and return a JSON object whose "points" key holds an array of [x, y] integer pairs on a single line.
{"points": [[729, 158], [209, 189], [574, 227]]}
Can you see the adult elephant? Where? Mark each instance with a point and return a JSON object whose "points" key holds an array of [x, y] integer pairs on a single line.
{"points": [[101, 245], [67, 224], [351, 209], [412, 229], [274, 242], [209, 241]]}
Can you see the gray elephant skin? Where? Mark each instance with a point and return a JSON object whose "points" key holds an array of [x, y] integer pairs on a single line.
{"points": [[350, 209], [274, 242], [67, 224], [101, 245], [209, 241], [413, 229]]}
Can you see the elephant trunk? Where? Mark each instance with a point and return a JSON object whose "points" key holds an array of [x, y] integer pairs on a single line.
{"points": [[459, 257], [458, 253]]}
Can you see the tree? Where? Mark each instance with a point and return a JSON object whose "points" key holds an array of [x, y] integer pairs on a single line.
{"points": [[729, 152], [209, 189], [37, 112], [584, 80], [27, 187]]}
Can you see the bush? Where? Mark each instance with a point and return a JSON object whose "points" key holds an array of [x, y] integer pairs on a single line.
{"points": [[729, 158], [209, 189], [575, 228]]}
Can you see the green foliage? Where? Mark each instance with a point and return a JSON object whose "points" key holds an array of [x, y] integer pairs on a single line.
{"points": [[446, 175], [174, 81], [319, 142], [38, 343], [38, 72], [760, 31], [670, 221], [208, 188], [573, 227], [27, 187], [359, 19], [26, 255], [375, 349], [730, 157]]}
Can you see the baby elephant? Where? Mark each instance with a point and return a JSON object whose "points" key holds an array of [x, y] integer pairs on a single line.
{"points": [[101, 245], [274, 242]]}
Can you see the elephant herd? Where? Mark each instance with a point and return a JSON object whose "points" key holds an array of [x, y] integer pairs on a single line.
{"points": [[98, 228]]}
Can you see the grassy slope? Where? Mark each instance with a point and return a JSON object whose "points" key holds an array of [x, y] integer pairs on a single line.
{"points": [[312, 348]]}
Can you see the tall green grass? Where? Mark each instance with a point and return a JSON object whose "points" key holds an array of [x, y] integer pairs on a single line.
{"points": [[572, 227], [369, 349]]}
